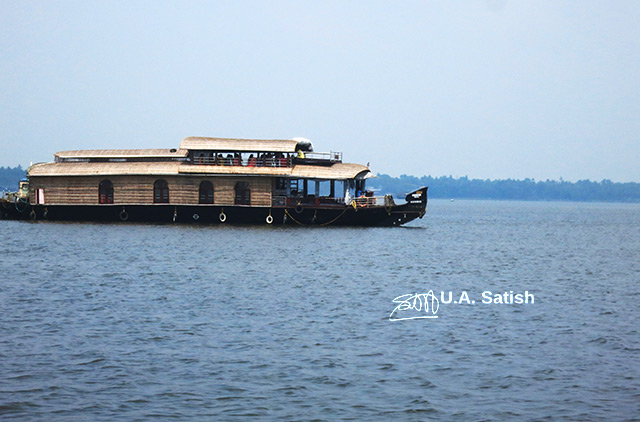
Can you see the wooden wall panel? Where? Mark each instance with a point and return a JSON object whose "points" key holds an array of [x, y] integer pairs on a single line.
{"points": [[83, 190]]}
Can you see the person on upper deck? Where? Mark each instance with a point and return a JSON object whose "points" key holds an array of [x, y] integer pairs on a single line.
{"points": [[282, 161]]}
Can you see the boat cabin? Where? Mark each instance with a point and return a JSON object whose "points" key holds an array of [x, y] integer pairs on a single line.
{"points": [[202, 171]]}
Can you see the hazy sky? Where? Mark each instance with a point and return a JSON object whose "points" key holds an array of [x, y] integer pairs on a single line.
{"points": [[486, 88]]}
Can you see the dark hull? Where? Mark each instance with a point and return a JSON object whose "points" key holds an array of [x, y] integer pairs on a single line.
{"points": [[215, 214]]}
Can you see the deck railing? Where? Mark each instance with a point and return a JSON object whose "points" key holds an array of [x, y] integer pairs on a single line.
{"points": [[369, 201], [373, 201], [278, 201], [246, 162], [267, 161], [328, 156], [293, 201]]}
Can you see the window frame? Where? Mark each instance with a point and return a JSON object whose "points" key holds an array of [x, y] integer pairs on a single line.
{"points": [[242, 194], [105, 192], [160, 192], [206, 197]]}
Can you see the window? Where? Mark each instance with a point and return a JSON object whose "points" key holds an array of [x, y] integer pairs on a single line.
{"points": [[294, 187], [243, 194], [161, 192], [105, 192], [39, 196], [281, 183], [324, 188], [206, 193]]}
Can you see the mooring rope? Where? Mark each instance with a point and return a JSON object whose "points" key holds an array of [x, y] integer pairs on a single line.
{"points": [[286, 211], [24, 202], [332, 221], [323, 224]]}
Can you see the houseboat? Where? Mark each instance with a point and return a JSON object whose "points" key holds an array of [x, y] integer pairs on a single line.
{"points": [[209, 180]]}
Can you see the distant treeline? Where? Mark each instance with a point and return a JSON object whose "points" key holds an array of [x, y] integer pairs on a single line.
{"points": [[9, 178], [463, 187], [527, 189]]}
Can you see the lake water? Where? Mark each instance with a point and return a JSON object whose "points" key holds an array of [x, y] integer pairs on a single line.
{"points": [[150, 322]]}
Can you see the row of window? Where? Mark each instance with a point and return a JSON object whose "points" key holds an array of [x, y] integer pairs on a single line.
{"points": [[161, 193]]}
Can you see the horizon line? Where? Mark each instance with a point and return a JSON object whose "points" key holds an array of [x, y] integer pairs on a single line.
{"points": [[532, 179]]}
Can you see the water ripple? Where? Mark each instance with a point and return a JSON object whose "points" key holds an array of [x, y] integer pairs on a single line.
{"points": [[146, 322]]}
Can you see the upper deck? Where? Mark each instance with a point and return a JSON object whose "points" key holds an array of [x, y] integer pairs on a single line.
{"points": [[211, 156]]}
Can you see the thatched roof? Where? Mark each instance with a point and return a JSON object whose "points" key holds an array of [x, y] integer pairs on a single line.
{"points": [[104, 169], [338, 171], [239, 145], [123, 153]]}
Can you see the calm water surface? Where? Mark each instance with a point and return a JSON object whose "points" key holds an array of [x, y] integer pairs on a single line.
{"points": [[150, 322]]}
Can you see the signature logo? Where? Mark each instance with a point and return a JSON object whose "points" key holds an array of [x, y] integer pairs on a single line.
{"points": [[415, 306]]}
